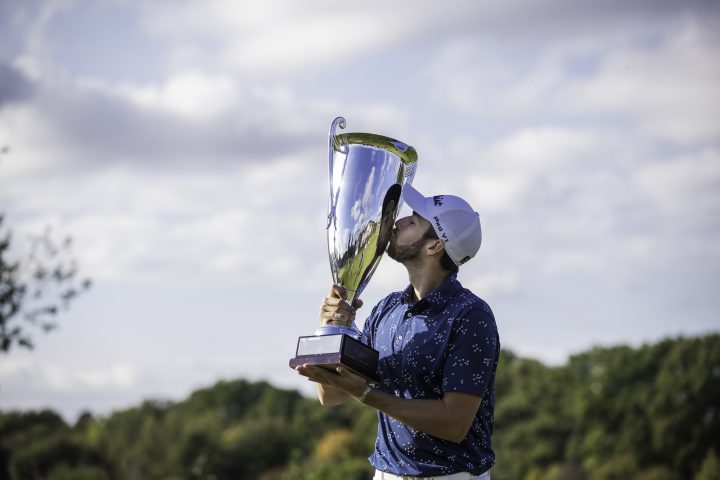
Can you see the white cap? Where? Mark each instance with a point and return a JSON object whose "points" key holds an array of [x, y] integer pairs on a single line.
{"points": [[453, 219]]}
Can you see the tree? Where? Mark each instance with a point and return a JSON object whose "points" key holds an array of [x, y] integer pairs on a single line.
{"points": [[710, 468], [579, 421], [19, 430], [35, 289], [57, 456]]}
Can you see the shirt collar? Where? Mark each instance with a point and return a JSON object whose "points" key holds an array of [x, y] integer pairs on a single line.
{"points": [[437, 299]]}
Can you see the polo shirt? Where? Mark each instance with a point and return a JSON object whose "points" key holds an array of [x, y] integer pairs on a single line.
{"points": [[446, 342]]}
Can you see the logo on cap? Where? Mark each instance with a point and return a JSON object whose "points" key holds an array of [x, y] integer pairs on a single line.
{"points": [[464, 260], [437, 200], [440, 229]]}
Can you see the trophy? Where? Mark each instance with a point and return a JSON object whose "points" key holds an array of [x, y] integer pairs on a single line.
{"points": [[366, 173]]}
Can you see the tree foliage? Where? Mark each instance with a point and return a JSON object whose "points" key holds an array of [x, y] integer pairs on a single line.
{"points": [[650, 413], [36, 288]]}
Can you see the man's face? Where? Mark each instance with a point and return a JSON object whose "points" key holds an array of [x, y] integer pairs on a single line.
{"points": [[408, 238]]}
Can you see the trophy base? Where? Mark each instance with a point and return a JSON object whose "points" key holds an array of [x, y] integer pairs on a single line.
{"points": [[331, 351]]}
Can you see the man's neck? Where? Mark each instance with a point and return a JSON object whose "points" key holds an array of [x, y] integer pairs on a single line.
{"points": [[425, 279]]}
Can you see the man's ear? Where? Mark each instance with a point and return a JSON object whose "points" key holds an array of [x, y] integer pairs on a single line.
{"points": [[434, 247]]}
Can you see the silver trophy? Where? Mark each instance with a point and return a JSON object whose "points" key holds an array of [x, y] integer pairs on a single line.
{"points": [[366, 173]]}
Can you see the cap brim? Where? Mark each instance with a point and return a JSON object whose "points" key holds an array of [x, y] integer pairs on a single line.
{"points": [[415, 200]]}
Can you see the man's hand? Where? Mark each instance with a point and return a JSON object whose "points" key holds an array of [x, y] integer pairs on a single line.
{"points": [[341, 379], [335, 309]]}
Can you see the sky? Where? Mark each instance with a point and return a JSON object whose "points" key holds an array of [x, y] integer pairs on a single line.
{"points": [[183, 146]]}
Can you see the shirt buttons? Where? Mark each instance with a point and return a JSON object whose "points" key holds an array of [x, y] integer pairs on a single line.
{"points": [[408, 315]]}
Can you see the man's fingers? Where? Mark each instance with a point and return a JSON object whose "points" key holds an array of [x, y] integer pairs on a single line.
{"points": [[316, 374], [357, 303], [337, 291], [336, 313], [335, 308], [337, 302]]}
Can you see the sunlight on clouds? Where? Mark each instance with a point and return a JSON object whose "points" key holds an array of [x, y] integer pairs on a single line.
{"points": [[261, 36], [497, 192], [544, 150], [195, 95], [247, 223]]}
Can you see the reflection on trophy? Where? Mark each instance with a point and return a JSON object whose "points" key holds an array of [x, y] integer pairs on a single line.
{"points": [[366, 173]]}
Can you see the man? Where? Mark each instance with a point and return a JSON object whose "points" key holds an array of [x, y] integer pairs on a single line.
{"points": [[438, 347]]}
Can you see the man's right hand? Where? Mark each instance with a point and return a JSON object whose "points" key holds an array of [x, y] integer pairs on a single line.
{"points": [[335, 310]]}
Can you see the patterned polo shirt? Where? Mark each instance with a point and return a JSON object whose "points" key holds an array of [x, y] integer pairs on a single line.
{"points": [[446, 342]]}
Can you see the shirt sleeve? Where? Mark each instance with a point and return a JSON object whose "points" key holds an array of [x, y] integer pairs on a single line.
{"points": [[472, 353]]}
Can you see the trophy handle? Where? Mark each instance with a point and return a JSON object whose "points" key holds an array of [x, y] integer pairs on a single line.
{"points": [[334, 144]]}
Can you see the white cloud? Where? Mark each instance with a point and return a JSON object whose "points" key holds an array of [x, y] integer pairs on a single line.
{"points": [[250, 219], [669, 90], [35, 376], [260, 37], [665, 87], [685, 190], [256, 37], [587, 201], [192, 94]]}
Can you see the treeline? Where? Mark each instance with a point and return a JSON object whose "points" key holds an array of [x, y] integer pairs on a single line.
{"points": [[651, 413]]}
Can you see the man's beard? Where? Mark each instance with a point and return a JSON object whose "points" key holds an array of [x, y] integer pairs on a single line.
{"points": [[403, 253]]}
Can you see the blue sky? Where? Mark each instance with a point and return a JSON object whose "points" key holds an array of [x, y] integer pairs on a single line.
{"points": [[183, 146]]}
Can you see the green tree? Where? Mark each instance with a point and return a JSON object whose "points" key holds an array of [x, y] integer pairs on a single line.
{"points": [[686, 421], [58, 453], [64, 472], [579, 421], [658, 473], [532, 419], [19, 429], [710, 468]]}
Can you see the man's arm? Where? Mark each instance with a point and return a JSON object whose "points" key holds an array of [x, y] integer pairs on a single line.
{"points": [[329, 396], [449, 418]]}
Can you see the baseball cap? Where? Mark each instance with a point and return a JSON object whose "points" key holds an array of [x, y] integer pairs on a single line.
{"points": [[453, 219]]}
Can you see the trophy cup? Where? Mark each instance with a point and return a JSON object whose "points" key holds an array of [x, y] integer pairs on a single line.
{"points": [[366, 172]]}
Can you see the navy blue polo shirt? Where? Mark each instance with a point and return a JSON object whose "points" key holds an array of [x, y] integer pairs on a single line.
{"points": [[446, 342]]}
